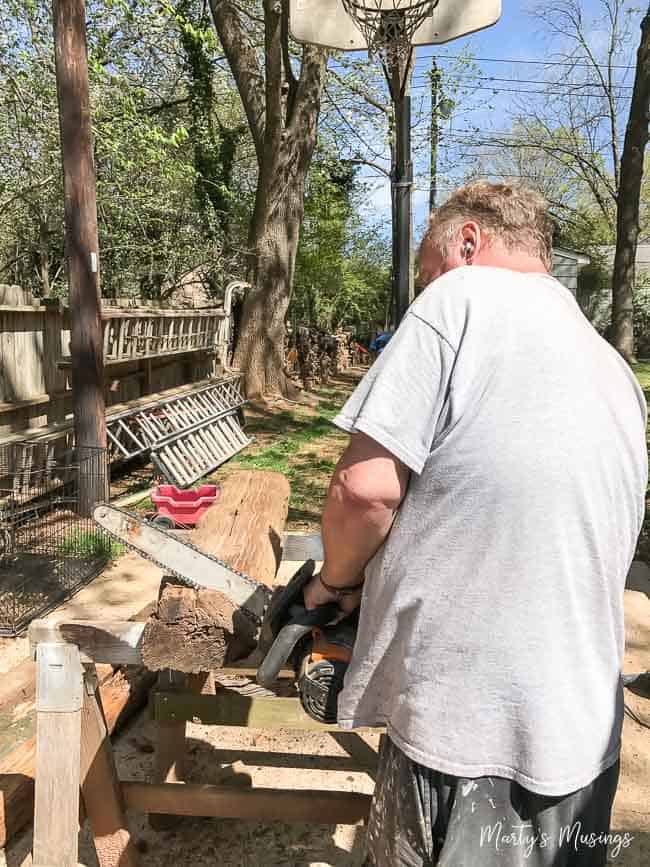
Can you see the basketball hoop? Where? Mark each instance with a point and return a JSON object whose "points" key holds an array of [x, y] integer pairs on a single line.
{"points": [[389, 26], [391, 30]]}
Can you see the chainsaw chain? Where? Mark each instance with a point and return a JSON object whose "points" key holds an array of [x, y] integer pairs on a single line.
{"points": [[183, 579]]}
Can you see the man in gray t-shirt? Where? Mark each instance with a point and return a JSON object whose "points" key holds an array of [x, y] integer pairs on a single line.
{"points": [[491, 497]]}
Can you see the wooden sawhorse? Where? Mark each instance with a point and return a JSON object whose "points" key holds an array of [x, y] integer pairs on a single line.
{"points": [[74, 755]]}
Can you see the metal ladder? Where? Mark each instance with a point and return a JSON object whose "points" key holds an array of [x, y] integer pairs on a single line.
{"points": [[190, 454], [188, 435]]}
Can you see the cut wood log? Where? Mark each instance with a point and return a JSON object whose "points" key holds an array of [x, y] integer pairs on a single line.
{"points": [[195, 631], [244, 527]]}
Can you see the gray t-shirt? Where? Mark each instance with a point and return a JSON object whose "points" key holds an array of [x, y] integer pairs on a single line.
{"points": [[491, 632]]}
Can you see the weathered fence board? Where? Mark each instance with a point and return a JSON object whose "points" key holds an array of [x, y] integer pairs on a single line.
{"points": [[146, 351]]}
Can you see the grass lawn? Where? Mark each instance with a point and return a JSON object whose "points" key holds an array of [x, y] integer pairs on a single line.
{"points": [[642, 371], [300, 442], [295, 439]]}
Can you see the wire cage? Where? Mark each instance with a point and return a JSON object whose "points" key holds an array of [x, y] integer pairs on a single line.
{"points": [[49, 544]]}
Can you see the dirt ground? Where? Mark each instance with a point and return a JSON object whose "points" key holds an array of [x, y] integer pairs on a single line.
{"points": [[286, 759], [344, 762]]}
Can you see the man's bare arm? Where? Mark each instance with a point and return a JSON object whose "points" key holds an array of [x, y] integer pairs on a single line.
{"points": [[365, 492]]}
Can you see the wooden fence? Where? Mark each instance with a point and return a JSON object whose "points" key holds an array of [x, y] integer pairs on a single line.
{"points": [[146, 351]]}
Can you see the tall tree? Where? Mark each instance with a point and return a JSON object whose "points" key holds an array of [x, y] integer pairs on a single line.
{"points": [[283, 118], [629, 194], [575, 117]]}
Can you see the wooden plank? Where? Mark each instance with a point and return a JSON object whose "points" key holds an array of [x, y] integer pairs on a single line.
{"points": [[65, 362], [171, 741], [117, 642], [7, 353], [229, 708], [143, 313], [56, 799], [18, 706], [37, 350], [100, 789], [169, 762], [14, 406], [330, 808], [245, 526]]}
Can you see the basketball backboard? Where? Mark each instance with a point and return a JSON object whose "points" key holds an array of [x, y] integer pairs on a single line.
{"points": [[326, 23]]}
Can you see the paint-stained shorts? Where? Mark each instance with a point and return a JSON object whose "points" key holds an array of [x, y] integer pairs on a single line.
{"points": [[421, 818]]}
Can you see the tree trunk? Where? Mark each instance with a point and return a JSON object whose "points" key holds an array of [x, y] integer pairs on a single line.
{"points": [[198, 630], [274, 242], [627, 220], [283, 118]]}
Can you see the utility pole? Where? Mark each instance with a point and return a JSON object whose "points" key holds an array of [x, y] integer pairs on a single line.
{"points": [[81, 243], [629, 193], [435, 76]]}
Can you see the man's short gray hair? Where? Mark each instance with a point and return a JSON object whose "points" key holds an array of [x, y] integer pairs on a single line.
{"points": [[515, 215]]}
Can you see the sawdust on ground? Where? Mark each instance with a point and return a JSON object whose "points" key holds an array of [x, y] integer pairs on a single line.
{"points": [[343, 762]]}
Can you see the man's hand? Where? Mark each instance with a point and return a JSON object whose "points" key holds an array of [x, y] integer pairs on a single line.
{"points": [[316, 595]]}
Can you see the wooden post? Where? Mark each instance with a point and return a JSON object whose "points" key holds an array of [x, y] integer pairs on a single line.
{"points": [[59, 696], [82, 247], [100, 788], [170, 748]]}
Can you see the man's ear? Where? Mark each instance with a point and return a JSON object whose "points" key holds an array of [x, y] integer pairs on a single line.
{"points": [[470, 235]]}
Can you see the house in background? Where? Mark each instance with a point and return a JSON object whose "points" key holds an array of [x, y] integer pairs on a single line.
{"points": [[567, 265], [595, 290]]}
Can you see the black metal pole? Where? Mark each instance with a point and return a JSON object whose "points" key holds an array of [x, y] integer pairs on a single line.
{"points": [[402, 184]]}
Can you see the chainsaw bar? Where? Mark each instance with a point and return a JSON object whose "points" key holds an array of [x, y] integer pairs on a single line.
{"points": [[191, 566]]}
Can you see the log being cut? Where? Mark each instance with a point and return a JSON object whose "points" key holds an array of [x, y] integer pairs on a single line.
{"points": [[211, 614]]}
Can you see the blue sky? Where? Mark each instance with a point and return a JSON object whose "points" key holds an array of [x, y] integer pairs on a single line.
{"points": [[518, 36]]}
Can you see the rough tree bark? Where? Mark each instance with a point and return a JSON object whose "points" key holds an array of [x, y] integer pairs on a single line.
{"points": [[629, 193], [283, 119]]}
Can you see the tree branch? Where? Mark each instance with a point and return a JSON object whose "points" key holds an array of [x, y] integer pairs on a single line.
{"points": [[360, 161], [273, 76], [244, 66], [306, 108], [286, 59], [359, 92]]}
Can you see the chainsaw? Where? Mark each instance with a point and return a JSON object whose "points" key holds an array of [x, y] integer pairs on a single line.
{"points": [[317, 644]]}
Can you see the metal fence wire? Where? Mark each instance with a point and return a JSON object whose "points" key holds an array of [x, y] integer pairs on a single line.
{"points": [[49, 543]]}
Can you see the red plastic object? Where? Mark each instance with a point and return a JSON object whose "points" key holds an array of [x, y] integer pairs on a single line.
{"points": [[184, 507]]}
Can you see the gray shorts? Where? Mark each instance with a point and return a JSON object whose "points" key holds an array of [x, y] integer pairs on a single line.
{"points": [[421, 818]]}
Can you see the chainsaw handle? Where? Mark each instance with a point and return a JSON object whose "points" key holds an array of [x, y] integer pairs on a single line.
{"points": [[300, 624]]}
